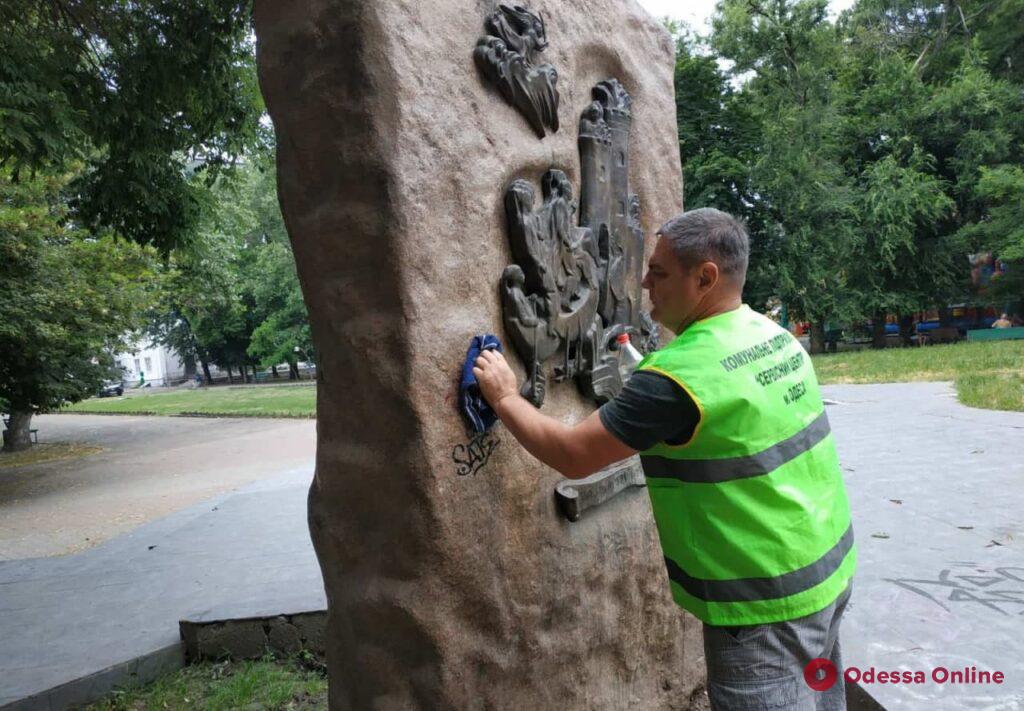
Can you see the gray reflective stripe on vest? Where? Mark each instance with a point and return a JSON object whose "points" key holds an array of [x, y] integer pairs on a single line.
{"points": [[752, 589], [713, 471]]}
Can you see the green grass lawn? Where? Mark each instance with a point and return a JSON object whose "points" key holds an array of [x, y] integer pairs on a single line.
{"points": [[987, 374], [264, 684], [259, 401]]}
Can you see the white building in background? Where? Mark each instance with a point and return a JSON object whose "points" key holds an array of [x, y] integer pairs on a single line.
{"points": [[159, 364]]}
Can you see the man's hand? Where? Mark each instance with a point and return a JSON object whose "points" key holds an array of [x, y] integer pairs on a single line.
{"points": [[495, 377], [573, 451]]}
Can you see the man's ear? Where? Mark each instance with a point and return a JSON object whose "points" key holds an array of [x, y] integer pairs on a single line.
{"points": [[709, 276]]}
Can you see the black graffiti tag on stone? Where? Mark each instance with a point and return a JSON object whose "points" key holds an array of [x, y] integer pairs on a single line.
{"points": [[507, 56], [999, 589], [471, 457]]}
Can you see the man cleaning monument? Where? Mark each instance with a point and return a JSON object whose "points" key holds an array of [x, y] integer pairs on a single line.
{"points": [[741, 468]]}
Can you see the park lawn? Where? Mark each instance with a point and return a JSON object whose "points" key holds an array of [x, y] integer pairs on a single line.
{"points": [[994, 392], [224, 401], [264, 684], [988, 374]]}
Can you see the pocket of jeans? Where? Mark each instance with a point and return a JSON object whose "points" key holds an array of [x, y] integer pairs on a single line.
{"points": [[744, 633], [783, 694]]}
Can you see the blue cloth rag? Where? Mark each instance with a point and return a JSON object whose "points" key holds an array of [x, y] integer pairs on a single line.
{"points": [[472, 403]]}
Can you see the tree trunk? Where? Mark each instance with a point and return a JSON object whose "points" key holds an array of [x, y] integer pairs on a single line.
{"points": [[206, 372], [817, 337], [273, 370], [906, 330], [293, 372], [190, 366], [231, 378], [878, 331], [17, 436]]}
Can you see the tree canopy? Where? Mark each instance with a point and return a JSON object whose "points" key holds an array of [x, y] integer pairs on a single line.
{"points": [[144, 95], [234, 300], [70, 300], [135, 193], [868, 153]]}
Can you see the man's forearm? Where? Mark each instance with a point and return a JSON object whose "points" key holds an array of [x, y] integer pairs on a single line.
{"points": [[544, 437]]}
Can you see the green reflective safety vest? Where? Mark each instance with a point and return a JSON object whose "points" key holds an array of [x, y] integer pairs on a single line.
{"points": [[752, 511]]}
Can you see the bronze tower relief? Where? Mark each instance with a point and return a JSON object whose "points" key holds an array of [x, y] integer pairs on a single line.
{"points": [[575, 283]]}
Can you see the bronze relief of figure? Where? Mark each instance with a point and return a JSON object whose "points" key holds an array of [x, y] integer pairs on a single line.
{"points": [[507, 56], [575, 288]]}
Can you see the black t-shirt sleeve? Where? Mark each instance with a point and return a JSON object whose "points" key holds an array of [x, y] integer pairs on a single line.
{"points": [[651, 408]]}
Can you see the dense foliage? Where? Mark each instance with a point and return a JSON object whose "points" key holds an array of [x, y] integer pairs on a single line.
{"points": [[149, 95], [869, 154], [135, 195], [233, 299], [70, 299]]}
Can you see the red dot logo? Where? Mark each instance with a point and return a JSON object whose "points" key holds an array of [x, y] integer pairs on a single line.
{"points": [[820, 674]]}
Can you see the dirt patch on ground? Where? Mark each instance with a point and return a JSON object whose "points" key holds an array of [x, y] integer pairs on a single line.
{"points": [[48, 452], [138, 469]]}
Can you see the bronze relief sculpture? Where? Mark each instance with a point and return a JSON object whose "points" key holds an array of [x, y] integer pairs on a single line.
{"points": [[507, 56], [574, 284], [574, 287]]}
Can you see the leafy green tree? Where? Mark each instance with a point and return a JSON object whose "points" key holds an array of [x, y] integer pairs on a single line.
{"points": [[233, 299], [807, 236], [198, 303], [797, 200], [856, 150], [903, 259], [149, 94], [283, 335], [921, 94], [1001, 229], [71, 301], [720, 134]]}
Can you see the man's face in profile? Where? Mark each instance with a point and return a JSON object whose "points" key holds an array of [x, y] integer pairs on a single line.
{"points": [[674, 288]]}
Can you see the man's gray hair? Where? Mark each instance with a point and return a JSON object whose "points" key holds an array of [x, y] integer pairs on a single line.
{"points": [[710, 235]]}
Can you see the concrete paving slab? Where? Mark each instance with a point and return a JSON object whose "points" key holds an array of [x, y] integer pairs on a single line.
{"points": [[935, 487], [937, 491], [150, 467], [242, 554]]}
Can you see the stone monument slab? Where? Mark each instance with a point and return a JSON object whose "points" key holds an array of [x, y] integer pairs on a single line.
{"points": [[452, 577]]}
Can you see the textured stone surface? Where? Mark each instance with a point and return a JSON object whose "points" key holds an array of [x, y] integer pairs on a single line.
{"points": [[239, 639], [450, 591], [251, 637], [283, 637]]}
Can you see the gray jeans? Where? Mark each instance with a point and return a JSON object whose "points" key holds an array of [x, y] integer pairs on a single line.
{"points": [[760, 667]]}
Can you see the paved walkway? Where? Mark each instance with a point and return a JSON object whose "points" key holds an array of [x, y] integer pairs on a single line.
{"points": [[937, 491], [150, 467], [245, 553]]}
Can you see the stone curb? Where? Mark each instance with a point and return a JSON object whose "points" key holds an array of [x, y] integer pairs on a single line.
{"points": [[237, 638], [86, 689], [252, 637]]}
